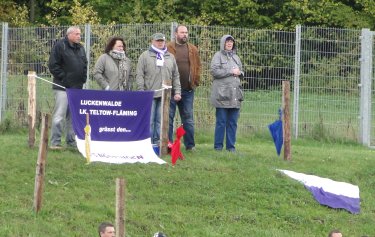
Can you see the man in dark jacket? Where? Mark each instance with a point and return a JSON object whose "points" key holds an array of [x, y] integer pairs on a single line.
{"points": [[68, 65]]}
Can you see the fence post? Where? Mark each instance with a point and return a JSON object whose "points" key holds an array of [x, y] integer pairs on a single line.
{"points": [[120, 207], [173, 27], [40, 167], [3, 68], [365, 86], [286, 120], [88, 52], [165, 103], [297, 74], [31, 111]]}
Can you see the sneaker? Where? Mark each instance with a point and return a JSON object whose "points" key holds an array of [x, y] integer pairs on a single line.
{"points": [[231, 150], [56, 147], [190, 148], [71, 147], [71, 144]]}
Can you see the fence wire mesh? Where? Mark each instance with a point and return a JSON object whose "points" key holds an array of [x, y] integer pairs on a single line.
{"points": [[329, 79], [326, 101]]}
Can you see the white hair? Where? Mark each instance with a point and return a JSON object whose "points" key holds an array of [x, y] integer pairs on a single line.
{"points": [[71, 29]]}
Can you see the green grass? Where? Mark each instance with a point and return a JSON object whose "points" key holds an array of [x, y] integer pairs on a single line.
{"points": [[208, 194]]}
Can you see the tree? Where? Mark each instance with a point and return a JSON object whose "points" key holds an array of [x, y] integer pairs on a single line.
{"points": [[327, 13], [14, 14], [274, 14], [71, 13]]}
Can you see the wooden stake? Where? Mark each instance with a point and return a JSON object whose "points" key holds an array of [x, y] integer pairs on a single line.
{"points": [[88, 139], [31, 88], [286, 120], [40, 167], [165, 103], [120, 207]]}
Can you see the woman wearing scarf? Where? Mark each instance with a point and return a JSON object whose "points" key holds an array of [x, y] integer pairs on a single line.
{"points": [[156, 66], [113, 69], [226, 94]]}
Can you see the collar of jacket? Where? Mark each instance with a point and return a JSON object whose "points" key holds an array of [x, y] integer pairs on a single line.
{"points": [[72, 45]]}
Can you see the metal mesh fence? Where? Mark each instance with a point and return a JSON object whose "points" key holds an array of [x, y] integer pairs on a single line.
{"points": [[329, 79], [322, 64]]}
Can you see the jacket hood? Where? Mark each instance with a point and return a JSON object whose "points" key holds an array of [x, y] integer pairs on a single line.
{"points": [[222, 43]]}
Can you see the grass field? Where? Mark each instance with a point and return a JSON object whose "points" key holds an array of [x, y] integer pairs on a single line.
{"points": [[208, 194]]}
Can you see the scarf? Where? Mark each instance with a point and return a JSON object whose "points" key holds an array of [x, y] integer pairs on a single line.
{"points": [[229, 53], [159, 55], [122, 78]]}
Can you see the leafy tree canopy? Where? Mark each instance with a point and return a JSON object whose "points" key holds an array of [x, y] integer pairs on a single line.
{"points": [[272, 14]]}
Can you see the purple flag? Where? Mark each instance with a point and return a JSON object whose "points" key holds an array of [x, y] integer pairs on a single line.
{"points": [[329, 192], [113, 126]]}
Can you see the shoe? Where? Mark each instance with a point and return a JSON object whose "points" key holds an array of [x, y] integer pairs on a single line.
{"points": [[190, 148], [71, 144], [218, 149], [71, 147], [231, 150], [56, 147]]}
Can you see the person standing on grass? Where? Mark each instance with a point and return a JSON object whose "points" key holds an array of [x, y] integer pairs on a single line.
{"points": [[189, 67], [106, 229], [226, 93], [68, 65], [156, 66], [113, 69]]}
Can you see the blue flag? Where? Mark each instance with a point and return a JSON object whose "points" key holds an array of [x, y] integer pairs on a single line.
{"points": [[276, 130]]}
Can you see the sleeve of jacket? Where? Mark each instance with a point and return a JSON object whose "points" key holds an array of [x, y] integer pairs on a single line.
{"points": [[140, 76], [176, 84], [198, 66], [56, 61], [218, 69], [239, 63], [99, 72], [85, 65], [131, 81]]}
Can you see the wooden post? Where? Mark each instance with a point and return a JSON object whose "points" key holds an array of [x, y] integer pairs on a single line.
{"points": [[120, 207], [165, 104], [88, 139], [286, 120], [40, 167], [31, 106]]}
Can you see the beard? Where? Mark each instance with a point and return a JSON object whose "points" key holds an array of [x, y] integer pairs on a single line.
{"points": [[182, 40]]}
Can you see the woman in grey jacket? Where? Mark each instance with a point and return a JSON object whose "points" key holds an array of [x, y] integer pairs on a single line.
{"points": [[226, 93], [113, 69]]}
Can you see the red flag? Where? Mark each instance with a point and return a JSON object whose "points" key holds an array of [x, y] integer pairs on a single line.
{"points": [[176, 146]]}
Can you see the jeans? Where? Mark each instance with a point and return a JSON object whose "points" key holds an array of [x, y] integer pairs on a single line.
{"points": [[226, 123], [60, 113], [155, 120], [185, 107]]}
